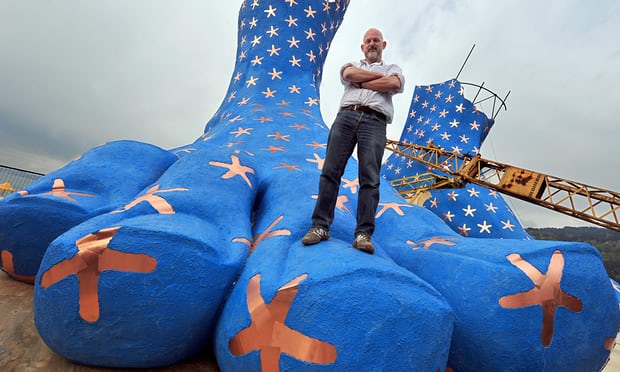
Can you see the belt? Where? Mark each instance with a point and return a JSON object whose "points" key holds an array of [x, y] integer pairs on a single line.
{"points": [[365, 109]]}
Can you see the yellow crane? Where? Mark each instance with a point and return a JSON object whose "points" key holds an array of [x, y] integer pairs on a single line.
{"points": [[454, 170]]}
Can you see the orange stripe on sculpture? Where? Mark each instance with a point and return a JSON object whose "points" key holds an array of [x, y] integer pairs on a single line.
{"points": [[256, 240], [546, 292], [6, 261], [610, 342], [160, 204], [93, 257], [59, 190], [269, 334]]}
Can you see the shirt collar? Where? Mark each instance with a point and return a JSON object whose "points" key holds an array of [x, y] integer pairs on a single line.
{"points": [[364, 62]]}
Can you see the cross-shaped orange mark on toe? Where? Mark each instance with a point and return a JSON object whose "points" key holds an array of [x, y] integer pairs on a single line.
{"points": [[94, 257], [6, 262], [396, 207], [546, 292], [160, 204], [59, 190], [426, 244], [256, 240], [234, 169], [271, 337]]}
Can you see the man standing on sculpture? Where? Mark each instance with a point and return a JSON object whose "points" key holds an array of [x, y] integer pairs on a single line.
{"points": [[365, 110]]}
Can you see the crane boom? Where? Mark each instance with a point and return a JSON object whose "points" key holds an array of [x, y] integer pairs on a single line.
{"points": [[586, 202]]}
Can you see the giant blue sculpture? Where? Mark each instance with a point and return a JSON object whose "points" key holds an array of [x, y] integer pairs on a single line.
{"points": [[144, 256]]}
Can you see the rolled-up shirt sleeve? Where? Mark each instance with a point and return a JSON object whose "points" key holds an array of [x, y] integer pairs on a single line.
{"points": [[344, 67], [397, 71]]}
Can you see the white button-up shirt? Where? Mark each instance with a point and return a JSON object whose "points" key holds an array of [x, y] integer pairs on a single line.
{"points": [[378, 101]]}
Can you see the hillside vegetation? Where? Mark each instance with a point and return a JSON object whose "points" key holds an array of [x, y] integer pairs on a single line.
{"points": [[605, 240]]}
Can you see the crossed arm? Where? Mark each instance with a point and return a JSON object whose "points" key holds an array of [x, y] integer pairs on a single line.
{"points": [[371, 80]]}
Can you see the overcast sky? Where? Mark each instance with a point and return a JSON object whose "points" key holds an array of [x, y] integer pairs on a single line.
{"points": [[78, 73]]}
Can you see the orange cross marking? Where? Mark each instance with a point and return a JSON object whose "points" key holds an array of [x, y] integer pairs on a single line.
{"points": [[271, 337], [353, 185], [236, 118], [278, 136], [6, 261], [426, 244], [58, 190], [241, 131], [290, 167], [299, 126], [94, 257], [157, 202], [232, 144], [263, 119], [234, 169], [341, 201], [392, 205], [186, 150], [317, 159], [546, 292], [273, 149], [315, 145], [256, 240], [206, 137]]}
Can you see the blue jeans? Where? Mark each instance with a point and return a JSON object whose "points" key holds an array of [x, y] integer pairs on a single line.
{"points": [[368, 131]]}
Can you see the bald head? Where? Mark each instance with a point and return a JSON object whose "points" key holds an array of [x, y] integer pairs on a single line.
{"points": [[373, 32], [373, 45]]}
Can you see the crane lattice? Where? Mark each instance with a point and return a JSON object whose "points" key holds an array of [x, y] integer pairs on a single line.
{"points": [[453, 170]]}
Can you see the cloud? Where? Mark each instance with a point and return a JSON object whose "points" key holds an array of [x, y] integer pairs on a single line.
{"points": [[76, 74]]}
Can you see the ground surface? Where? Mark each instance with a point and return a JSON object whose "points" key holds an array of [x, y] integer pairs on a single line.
{"points": [[21, 348]]}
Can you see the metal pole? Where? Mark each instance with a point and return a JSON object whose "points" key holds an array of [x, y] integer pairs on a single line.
{"points": [[463, 65]]}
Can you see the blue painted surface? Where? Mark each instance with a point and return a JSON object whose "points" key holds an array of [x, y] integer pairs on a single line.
{"points": [[229, 209]]}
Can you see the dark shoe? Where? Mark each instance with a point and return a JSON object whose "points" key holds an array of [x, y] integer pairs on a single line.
{"points": [[363, 243], [315, 235]]}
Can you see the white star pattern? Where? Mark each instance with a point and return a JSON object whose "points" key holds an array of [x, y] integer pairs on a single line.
{"points": [[484, 227], [469, 211], [508, 225], [473, 192], [491, 208], [443, 107]]}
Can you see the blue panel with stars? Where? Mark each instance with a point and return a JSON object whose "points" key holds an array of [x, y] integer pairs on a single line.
{"points": [[440, 115]]}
